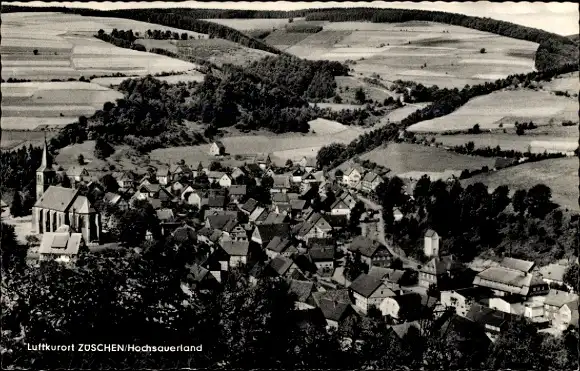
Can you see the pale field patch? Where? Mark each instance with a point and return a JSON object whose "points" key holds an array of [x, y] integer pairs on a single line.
{"points": [[560, 174], [488, 110], [568, 82], [31, 123], [35, 63], [405, 157]]}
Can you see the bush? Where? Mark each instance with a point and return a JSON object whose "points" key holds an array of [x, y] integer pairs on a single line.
{"points": [[482, 50]]}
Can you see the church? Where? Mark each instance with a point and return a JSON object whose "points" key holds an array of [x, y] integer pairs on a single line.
{"points": [[57, 206]]}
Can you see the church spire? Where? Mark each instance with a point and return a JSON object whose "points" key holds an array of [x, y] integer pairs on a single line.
{"points": [[46, 163]]}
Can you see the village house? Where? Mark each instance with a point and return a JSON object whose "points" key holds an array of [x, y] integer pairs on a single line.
{"points": [[512, 277], [148, 191], [315, 226], [336, 307], [258, 215], [280, 246], [175, 188], [402, 308], [280, 198], [393, 278], [115, 200], [373, 253], [281, 184], [264, 233], [307, 163], [200, 278], [274, 217], [237, 193], [217, 148], [62, 245], [180, 171], [492, 321], [323, 258], [237, 253], [284, 267], [225, 181], [297, 208], [440, 271], [352, 177], [195, 197], [162, 174], [126, 179], [215, 176], [263, 160], [371, 181], [302, 292], [554, 274], [249, 206], [237, 174], [555, 312], [462, 299], [77, 174], [339, 207], [369, 291], [216, 203]]}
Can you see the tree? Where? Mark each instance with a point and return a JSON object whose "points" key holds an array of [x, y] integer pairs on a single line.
{"points": [[482, 50], [215, 166], [134, 223], [184, 36], [81, 159], [101, 32], [110, 183], [65, 181], [517, 347], [13, 254], [354, 266], [103, 149], [572, 277], [35, 51], [360, 95], [16, 208], [519, 201], [539, 200], [289, 163]]}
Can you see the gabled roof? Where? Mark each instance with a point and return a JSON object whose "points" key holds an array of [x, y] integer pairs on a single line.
{"points": [[558, 298], [250, 205], [196, 272], [554, 272], [487, 316], [281, 181], [365, 246], [175, 168], [431, 233], [275, 218], [155, 202], [222, 222], [284, 208], [339, 296], [366, 285], [303, 228], [76, 171], [165, 215], [339, 204], [371, 176], [219, 144], [62, 243], [216, 201], [318, 254], [309, 161], [302, 289], [278, 244], [162, 171], [236, 248], [280, 264], [150, 188], [298, 204], [259, 214], [505, 279], [269, 231], [389, 274], [81, 205], [57, 198], [280, 197], [215, 174], [333, 310], [237, 190], [259, 270], [517, 264]]}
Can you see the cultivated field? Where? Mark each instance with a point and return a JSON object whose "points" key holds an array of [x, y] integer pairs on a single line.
{"points": [[291, 146], [400, 51], [14, 139], [347, 86], [220, 51], [568, 83], [504, 107], [47, 46], [405, 157], [252, 24], [47, 105], [561, 175], [511, 141]]}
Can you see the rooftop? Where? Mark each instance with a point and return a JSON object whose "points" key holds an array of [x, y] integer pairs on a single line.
{"points": [[365, 285]]}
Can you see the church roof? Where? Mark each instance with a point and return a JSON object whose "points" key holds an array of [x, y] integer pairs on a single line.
{"points": [[81, 205], [57, 198]]}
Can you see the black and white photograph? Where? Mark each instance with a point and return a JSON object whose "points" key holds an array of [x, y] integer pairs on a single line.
{"points": [[283, 185]]}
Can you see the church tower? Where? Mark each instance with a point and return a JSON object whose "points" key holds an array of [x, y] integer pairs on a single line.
{"points": [[45, 174]]}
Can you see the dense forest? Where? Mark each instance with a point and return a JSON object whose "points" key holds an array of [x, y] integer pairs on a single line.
{"points": [[475, 222], [146, 297], [335, 154]]}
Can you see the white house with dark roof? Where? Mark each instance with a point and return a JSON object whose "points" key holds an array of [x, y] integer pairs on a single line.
{"points": [[65, 206], [63, 245], [371, 181], [369, 291], [217, 148]]}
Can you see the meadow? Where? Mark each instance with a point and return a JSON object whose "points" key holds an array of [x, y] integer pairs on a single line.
{"points": [[511, 141], [502, 109], [426, 52], [48, 46], [220, 51], [560, 174], [405, 157]]}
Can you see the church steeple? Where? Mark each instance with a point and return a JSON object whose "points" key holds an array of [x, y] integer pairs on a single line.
{"points": [[45, 174]]}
